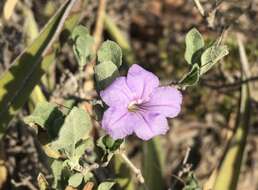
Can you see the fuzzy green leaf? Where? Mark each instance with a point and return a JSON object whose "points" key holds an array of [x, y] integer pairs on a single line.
{"points": [[76, 127], [105, 73], [194, 43], [192, 77], [106, 185], [109, 144], [44, 115], [110, 51], [75, 180], [211, 56], [57, 167], [83, 43]]}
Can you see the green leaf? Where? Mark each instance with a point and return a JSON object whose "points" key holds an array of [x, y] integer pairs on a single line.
{"points": [[105, 73], [191, 182], [42, 182], [57, 167], [44, 115], [194, 43], [80, 149], [75, 180], [18, 81], [119, 37], [192, 77], [83, 43], [76, 127], [106, 185], [110, 51], [211, 56], [106, 142], [88, 176], [153, 164]]}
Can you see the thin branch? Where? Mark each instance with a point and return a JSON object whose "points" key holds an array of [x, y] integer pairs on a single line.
{"points": [[235, 84], [25, 182], [99, 24]]}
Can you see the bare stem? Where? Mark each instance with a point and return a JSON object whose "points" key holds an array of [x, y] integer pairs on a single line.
{"points": [[99, 25], [199, 7], [132, 166]]}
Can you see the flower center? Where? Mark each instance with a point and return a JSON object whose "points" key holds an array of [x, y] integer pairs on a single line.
{"points": [[134, 106]]}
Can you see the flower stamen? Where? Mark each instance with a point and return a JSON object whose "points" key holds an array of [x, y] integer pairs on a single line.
{"points": [[134, 105]]}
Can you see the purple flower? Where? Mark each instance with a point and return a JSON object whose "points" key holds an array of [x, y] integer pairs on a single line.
{"points": [[138, 105]]}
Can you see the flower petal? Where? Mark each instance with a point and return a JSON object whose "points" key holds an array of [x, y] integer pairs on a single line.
{"points": [[149, 125], [141, 82], [117, 94], [118, 122], [166, 101]]}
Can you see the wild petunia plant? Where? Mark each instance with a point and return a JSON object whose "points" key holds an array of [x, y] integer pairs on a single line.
{"points": [[136, 103]]}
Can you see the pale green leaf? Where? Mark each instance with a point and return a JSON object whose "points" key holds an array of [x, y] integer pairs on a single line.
{"points": [[211, 56], [105, 73], [107, 185], [80, 149], [109, 144], [75, 180], [83, 43], [88, 176], [192, 77], [110, 51], [194, 43], [18, 81], [44, 115], [57, 167], [76, 127]]}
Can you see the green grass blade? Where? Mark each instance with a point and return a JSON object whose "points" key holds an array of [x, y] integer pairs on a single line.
{"points": [[153, 164], [17, 83], [229, 169]]}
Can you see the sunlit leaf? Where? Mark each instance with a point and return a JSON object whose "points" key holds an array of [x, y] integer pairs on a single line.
{"points": [[211, 56], [105, 73], [56, 167], [106, 185], [194, 43], [44, 115], [110, 51], [75, 180], [82, 46], [42, 182], [76, 127]]}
